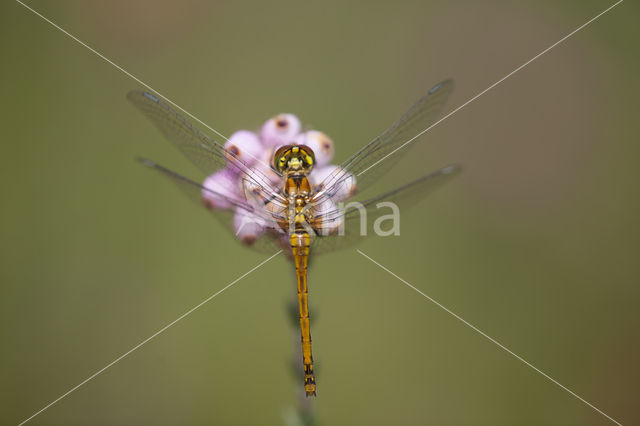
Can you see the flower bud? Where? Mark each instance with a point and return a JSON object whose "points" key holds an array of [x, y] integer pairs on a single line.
{"points": [[321, 144], [332, 218], [247, 227], [344, 183], [280, 130], [265, 167], [220, 186], [256, 178], [244, 145]]}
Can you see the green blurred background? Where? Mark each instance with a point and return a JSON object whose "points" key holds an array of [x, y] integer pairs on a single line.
{"points": [[536, 243]]}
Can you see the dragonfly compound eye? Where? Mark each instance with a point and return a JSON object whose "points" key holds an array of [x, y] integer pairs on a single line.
{"points": [[320, 144], [294, 158]]}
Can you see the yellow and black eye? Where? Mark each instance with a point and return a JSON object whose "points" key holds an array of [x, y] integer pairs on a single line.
{"points": [[298, 155], [280, 158]]}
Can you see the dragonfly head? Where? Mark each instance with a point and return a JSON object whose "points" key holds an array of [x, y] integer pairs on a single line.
{"points": [[294, 159]]}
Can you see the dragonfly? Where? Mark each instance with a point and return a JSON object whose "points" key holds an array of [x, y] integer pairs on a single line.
{"points": [[299, 216]]}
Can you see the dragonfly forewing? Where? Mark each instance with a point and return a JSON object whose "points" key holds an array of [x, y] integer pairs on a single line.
{"points": [[378, 156], [205, 153], [339, 228]]}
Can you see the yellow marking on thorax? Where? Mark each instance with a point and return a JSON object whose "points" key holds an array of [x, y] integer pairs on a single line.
{"points": [[297, 188]]}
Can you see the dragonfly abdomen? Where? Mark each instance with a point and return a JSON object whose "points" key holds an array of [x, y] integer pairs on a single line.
{"points": [[300, 242]]}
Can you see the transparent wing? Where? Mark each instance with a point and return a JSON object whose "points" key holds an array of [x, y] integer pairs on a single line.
{"points": [[270, 242], [378, 156], [357, 225], [207, 154]]}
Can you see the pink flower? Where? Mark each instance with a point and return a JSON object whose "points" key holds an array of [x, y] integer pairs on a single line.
{"points": [[221, 184], [280, 130], [263, 167], [320, 144], [246, 146], [334, 218], [225, 186], [347, 186], [247, 227]]}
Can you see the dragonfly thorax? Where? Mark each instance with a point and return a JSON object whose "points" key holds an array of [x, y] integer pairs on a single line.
{"points": [[297, 190]]}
